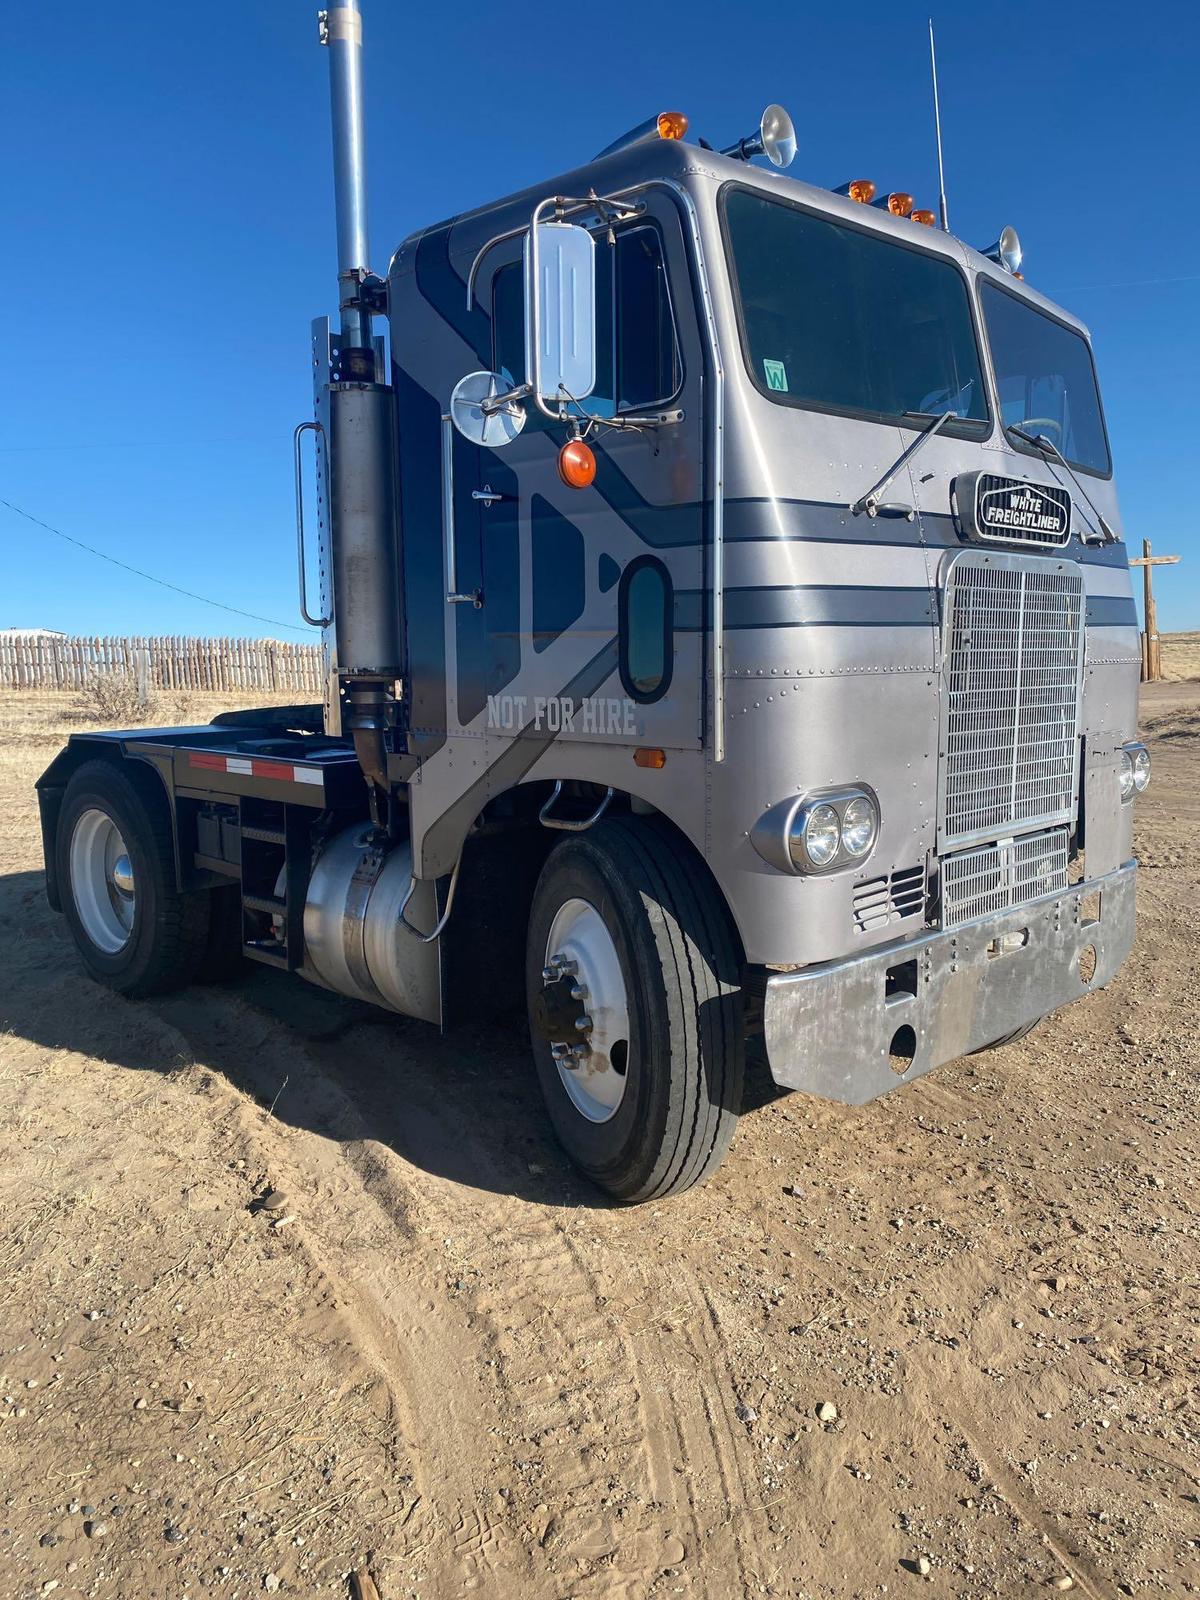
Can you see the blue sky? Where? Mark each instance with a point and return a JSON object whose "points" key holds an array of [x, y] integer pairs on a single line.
{"points": [[169, 232]]}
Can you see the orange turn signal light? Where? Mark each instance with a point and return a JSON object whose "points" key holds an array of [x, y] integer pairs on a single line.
{"points": [[577, 464], [650, 758], [862, 190], [672, 124]]}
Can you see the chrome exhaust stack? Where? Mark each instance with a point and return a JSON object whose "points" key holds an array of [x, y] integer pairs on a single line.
{"points": [[356, 443], [340, 31]]}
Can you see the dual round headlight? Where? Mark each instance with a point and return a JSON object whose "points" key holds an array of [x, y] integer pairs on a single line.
{"points": [[1134, 772], [833, 830]]}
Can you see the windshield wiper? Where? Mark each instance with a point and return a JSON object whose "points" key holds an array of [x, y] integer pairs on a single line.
{"points": [[870, 502], [1040, 442]]}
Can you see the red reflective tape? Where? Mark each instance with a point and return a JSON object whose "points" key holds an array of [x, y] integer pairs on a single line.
{"points": [[272, 769], [202, 758]]}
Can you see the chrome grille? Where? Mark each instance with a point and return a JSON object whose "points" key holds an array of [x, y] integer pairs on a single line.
{"points": [[1013, 652], [997, 877], [878, 901]]}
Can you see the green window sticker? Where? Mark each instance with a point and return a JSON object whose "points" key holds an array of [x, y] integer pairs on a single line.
{"points": [[776, 375]]}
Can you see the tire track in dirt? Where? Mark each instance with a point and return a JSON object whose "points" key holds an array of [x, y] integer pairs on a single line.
{"points": [[365, 1231], [615, 1461]]}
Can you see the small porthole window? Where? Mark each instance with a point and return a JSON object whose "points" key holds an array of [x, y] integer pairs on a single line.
{"points": [[646, 643]]}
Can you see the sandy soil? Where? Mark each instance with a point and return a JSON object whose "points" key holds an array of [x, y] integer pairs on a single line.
{"points": [[443, 1362]]}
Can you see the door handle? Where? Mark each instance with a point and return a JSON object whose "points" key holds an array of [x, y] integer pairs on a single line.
{"points": [[488, 495]]}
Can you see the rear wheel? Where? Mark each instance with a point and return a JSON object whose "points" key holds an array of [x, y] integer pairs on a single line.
{"points": [[135, 931], [635, 1002]]}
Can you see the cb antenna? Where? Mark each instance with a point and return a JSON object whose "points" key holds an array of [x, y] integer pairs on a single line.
{"points": [[937, 122]]}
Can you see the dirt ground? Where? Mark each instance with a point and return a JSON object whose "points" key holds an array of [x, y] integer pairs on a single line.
{"points": [[443, 1361]]}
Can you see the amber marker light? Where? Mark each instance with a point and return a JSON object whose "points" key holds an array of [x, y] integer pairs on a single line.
{"points": [[672, 124], [860, 189], [925, 218], [899, 203], [577, 464], [650, 758]]}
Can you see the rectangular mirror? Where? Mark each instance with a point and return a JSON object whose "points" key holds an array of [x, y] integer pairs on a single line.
{"points": [[560, 310]]}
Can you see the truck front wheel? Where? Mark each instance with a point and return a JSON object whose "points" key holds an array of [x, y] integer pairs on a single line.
{"points": [[135, 931], [634, 986]]}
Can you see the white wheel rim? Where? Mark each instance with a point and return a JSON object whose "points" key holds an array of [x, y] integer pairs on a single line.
{"points": [[102, 883], [595, 1075]]}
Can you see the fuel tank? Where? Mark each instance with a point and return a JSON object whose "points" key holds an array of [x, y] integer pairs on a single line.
{"points": [[355, 942]]}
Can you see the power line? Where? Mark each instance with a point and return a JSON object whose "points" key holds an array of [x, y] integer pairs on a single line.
{"points": [[149, 576]]}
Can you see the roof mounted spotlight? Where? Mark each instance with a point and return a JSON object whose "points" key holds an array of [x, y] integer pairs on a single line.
{"points": [[1006, 251], [775, 139]]}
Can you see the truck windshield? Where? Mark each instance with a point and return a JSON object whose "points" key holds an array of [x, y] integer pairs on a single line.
{"points": [[838, 318], [1045, 379]]}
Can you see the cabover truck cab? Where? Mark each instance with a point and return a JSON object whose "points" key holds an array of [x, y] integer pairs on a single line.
{"points": [[729, 637]]}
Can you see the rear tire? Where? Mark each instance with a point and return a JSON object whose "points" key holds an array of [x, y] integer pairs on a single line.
{"points": [[133, 928], [653, 945]]}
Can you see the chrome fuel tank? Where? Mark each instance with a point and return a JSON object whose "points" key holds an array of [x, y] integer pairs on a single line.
{"points": [[354, 940]]}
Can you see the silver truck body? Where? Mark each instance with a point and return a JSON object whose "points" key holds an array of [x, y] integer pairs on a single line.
{"points": [[768, 677], [833, 658]]}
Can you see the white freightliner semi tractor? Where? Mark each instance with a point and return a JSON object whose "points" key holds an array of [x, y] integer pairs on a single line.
{"points": [[729, 639]]}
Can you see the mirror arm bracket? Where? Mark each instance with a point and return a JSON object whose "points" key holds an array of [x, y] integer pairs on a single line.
{"points": [[611, 208]]}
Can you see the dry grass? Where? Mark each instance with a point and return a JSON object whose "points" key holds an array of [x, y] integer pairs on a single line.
{"points": [[1181, 656]]}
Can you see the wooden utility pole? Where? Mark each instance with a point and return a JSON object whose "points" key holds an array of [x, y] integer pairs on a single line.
{"points": [[1151, 643]]}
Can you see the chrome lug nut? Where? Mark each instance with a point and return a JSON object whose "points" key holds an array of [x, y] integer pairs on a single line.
{"points": [[584, 1023]]}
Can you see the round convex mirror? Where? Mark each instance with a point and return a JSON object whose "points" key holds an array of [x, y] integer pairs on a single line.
{"points": [[477, 419]]}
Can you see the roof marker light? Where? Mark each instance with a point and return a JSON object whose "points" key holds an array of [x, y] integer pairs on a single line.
{"points": [[860, 189], [898, 203], [672, 124], [926, 218]]}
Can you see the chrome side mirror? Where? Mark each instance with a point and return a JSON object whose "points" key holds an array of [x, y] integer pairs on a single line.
{"points": [[560, 311], [486, 409]]}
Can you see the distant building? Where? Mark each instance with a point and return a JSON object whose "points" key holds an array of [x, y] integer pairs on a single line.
{"points": [[32, 633]]}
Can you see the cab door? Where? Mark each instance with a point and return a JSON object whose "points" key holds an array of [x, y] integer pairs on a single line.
{"points": [[611, 577], [487, 602]]}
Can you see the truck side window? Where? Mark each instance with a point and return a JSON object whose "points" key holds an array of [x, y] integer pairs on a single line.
{"points": [[638, 361], [648, 366], [646, 649]]}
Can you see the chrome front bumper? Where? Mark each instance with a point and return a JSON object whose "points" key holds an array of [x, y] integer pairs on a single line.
{"points": [[852, 1029]]}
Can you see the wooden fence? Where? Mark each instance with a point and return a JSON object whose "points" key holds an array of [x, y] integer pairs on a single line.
{"points": [[213, 665]]}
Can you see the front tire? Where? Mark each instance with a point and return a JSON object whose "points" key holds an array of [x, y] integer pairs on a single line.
{"points": [[133, 928], [1009, 1038], [641, 1070]]}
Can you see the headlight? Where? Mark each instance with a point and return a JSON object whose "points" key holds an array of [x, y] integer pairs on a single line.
{"points": [[1141, 769], [1126, 775], [859, 826], [832, 828], [820, 835]]}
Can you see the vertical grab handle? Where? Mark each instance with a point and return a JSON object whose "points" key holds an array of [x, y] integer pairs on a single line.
{"points": [[449, 535], [305, 427]]}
